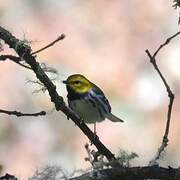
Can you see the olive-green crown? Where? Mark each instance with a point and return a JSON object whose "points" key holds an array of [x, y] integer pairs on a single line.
{"points": [[78, 83]]}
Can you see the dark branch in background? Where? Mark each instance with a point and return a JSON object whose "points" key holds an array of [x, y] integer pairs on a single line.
{"points": [[165, 43], [13, 59], [61, 37], [8, 177], [19, 61], [18, 114], [132, 173], [170, 95], [24, 52], [118, 173]]}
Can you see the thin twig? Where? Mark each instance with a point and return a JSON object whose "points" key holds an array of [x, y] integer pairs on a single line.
{"points": [[61, 37], [165, 43], [18, 114], [14, 59], [170, 95]]}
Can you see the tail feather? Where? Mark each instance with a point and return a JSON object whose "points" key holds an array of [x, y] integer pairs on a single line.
{"points": [[113, 118]]}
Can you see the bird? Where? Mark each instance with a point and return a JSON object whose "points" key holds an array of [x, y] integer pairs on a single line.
{"points": [[87, 100]]}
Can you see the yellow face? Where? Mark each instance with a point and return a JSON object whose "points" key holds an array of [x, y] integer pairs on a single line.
{"points": [[78, 83]]}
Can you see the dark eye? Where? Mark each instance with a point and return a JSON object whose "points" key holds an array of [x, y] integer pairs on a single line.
{"points": [[77, 82]]}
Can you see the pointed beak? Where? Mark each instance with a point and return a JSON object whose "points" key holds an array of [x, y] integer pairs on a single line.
{"points": [[65, 82]]}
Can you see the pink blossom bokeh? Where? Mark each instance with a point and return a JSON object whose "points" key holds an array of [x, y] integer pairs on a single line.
{"points": [[105, 41]]}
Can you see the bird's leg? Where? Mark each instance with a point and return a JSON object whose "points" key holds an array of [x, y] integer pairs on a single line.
{"points": [[95, 133], [95, 128]]}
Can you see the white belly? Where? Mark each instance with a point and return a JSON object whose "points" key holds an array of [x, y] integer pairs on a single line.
{"points": [[86, 111]]}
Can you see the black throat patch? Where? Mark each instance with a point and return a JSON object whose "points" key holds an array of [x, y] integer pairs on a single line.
{"points": [[72, 95]]}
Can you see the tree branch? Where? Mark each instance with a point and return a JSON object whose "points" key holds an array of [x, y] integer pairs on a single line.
{"points": [[170, 95], [118, 173], [14, 59], [24, 51], [132, 173], [18, 114], [165, 43], [8, 177]]}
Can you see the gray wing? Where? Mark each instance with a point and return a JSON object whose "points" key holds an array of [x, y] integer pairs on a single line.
{"points": [[98, 96]]}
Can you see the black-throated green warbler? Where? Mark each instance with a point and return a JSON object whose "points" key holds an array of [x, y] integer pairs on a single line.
{"points": [[87, 100]]}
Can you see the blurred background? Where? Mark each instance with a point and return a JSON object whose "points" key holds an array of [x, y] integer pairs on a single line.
{"points": [[105, 41]]}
